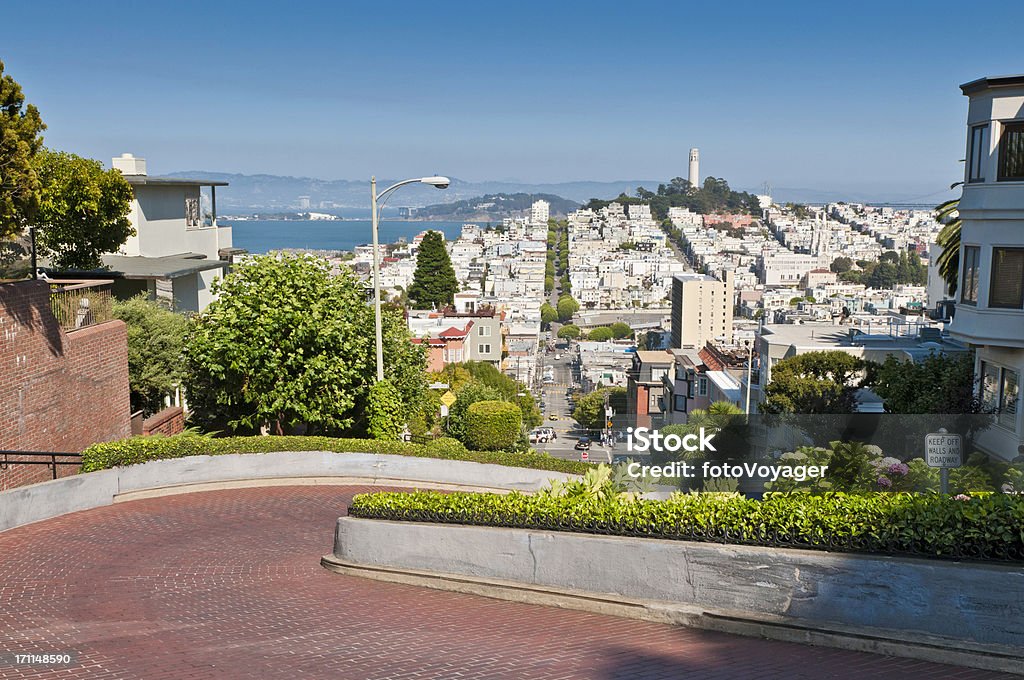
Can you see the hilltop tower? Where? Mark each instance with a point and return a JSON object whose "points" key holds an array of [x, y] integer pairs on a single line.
{"points": [[694, 175]]}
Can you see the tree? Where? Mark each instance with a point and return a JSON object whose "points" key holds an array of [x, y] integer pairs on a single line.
{"points": [[589, 410], [815, 382], [600, 334], [286, 345], [156, 338], [621, 330], [21, 139], [569, 332], [566, 307], [940, 383], [433, 283], [83, 209], [548, 313], [384, 411], [493, 426], [841, 265], [948, 239]]}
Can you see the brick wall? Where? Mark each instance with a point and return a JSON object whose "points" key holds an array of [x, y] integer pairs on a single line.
{"points": [[59, 391], [167, 422]]}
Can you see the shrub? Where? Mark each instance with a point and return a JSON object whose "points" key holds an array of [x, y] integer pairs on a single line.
{"points": [[990, 526], [384, 411], [493, 425], [144, 449], [445, 447]]}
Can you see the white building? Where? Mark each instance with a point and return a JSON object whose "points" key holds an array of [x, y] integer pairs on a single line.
{"points": [[540, 211], [178, 248], [990, 295]]}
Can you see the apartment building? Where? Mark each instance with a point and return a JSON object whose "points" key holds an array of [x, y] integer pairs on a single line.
{"points": [[990, 296], [702, 309]]}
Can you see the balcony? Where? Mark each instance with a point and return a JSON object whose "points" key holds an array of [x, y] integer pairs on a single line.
{"points": [[80, 303]]}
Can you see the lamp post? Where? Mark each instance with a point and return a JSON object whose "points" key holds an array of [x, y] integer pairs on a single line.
{"points": [[382, 198]]}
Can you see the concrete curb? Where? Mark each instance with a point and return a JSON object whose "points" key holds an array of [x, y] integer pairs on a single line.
{"points": [[46, 500], [958, 613]]}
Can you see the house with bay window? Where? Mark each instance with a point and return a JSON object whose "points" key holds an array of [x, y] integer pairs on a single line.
{"points": [[990, 296]]}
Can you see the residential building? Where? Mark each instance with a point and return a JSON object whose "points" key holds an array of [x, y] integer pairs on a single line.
{"points": [[990, 295], [645, 389], [540, 211], [702, 310], [178, 248]]}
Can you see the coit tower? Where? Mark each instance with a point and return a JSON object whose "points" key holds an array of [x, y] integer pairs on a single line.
{"points": [[694, 175]]}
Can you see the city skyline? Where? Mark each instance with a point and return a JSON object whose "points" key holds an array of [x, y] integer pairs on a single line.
{"points": [[800, 96]]}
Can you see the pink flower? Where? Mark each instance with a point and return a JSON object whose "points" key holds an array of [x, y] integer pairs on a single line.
{"points": [[961, 497], [898, 469], [884, 482]]}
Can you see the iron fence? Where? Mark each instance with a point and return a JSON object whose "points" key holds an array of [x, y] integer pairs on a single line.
{"points": [[81, 303]]}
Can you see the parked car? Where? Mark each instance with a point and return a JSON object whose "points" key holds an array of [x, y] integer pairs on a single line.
{"points": [[552, 417], [539, 436], [551, 432], [583, 444]]}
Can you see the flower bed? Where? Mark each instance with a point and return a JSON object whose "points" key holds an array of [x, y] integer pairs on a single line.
{"points": [[143, 449], [987, 527]]}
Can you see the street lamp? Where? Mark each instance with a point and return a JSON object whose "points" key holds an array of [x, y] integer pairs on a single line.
{"points": [[435, 181]]}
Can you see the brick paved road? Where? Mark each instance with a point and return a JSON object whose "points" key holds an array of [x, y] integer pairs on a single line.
{"points": [[227, 584]]}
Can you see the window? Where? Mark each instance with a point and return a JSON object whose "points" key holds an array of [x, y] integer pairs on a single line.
{"points": [[483, 349], [702, 387], [485, 331], [680, 403], [1000, 392], [969, 267], [1006, 289], [1011, 153], [977, 153], [658, 374], [1009, 387]]}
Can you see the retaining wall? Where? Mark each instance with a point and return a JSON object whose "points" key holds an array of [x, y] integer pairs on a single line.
{"points": [[938, 606], [94, 489]]}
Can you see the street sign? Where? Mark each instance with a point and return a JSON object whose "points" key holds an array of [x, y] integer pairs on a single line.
{"points": [[584, 455], [448, 398], [943, 450], [444, 411]]}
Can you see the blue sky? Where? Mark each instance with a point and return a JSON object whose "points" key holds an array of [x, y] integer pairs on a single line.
{"points": [[858, 96]]}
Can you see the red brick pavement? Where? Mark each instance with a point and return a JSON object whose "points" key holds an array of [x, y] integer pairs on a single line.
{"points": [[227, 584]]}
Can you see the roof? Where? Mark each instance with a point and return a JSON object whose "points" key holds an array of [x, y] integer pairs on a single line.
{"points": [[655, 357], [988, 83], [173, 181], [454, 332], [169, 267]]}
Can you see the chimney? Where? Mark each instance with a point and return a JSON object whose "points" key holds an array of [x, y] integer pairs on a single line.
{"points": [[129, 164]]}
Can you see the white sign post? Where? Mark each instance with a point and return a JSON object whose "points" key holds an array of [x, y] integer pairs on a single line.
{"points": [[944, 451]]}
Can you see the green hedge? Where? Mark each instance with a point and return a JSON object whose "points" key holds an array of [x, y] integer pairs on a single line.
{"points": [[985, 527], [143, 449], [493, 425]]}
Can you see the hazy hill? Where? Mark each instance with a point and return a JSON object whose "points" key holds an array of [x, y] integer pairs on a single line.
{"points": [[495, 207]]}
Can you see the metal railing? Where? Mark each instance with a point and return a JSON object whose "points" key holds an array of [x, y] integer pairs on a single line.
{"points": [[78, 303], [48, 458]]}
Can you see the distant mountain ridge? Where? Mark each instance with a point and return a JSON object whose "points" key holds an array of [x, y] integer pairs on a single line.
{"points": [[282, 193]]}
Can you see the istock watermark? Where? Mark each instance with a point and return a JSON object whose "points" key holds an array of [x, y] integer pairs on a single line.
{"points": [[647, 440]]}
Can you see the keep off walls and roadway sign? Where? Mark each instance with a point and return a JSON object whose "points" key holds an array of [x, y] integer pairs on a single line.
{"points": [[944, 451]]}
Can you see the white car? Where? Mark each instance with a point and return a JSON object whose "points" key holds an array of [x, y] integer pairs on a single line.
{"points": [[558, 357]]}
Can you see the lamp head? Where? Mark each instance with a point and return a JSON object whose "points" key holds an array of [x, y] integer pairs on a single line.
{"points": [[436, 181]]}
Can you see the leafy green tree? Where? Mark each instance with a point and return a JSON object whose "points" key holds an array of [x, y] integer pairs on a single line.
{"points": [[548, 313], [566, 307], [621, 330], [815, 382], [569, 332], [600, 334], [156, 337], [384, 411], [938, 384], [21, 139], [286, 345], [549, 284], [493, 426], [589, 410], [841, 265], [83, 209], [433, 283]]}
